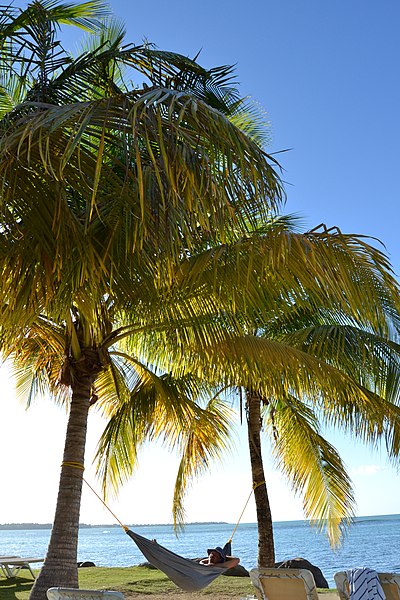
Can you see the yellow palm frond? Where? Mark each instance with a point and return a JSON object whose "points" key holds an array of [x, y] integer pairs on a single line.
{"points": [[312, 466], [273, 369], [151, 407], [206, 438]]}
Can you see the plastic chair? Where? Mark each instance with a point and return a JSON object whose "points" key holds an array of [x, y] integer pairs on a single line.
{"points": [[284, 584]]}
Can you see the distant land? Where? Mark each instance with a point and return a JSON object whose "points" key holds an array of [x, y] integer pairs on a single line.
{"points": [[19, 526], [44, 525], [107, 526]]}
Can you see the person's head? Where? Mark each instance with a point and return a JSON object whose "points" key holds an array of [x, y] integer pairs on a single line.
{"points": [[216, 555]]}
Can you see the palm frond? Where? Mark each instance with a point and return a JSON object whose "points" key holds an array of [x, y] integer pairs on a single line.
{"points": [[66, 142], [369, 359], [206, 439], [313, 467], [37, 358], [248, 116], [157, 406], [272, 369]]}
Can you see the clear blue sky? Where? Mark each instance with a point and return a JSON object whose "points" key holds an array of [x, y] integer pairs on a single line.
{"points": [[327, 75]]}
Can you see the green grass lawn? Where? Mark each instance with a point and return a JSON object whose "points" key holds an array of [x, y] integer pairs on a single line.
{"points": [[130, 580]]}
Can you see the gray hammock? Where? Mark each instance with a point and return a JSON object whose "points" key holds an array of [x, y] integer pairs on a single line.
{"points": [[187, 574]]}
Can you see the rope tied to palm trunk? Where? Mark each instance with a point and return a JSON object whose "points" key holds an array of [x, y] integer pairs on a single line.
{"points": [[74, 465]]}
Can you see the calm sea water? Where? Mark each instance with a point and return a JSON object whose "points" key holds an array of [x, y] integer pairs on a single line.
{"points": [[371, 541]]}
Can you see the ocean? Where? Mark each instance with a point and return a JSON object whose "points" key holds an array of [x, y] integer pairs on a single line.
{"points": [[371, 541]]}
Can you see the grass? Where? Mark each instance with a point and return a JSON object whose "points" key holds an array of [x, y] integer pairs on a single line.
{"points": [[131, 580], [128, 580]]}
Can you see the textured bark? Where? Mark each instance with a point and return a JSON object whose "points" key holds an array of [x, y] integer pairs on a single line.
{"points": [[266, 552], [60, 565]]}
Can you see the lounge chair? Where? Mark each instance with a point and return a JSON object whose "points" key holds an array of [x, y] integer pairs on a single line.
{"points": [[2, 569], [284, 584], [390, 583], [60, 593], [12, 565]]}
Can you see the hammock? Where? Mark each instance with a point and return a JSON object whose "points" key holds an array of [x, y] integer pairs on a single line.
{"points": [[187, 574]]}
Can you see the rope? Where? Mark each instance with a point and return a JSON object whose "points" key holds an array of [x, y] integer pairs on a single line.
{"points": [[255, 486], [124, 527], [77, 465]]}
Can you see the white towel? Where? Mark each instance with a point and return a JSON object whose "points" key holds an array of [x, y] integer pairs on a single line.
{"points": [[365, 585]]}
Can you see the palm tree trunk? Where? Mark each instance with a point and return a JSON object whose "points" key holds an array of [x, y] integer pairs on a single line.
{"points": [[60, 565], [266, 552]]}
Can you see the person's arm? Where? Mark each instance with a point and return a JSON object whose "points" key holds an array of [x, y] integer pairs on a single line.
{"points": [[204, 561], [230, 562]]}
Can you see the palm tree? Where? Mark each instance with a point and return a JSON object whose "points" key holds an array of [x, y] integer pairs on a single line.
{"points": [[326, 351], [104, 192], [346, 375], [293, 423]]}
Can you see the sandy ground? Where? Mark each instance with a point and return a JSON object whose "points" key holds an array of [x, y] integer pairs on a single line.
{"points": [[180, 595]]}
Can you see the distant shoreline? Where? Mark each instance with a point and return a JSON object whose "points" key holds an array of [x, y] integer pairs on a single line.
{"points": [[12, 526], [19, 526]]}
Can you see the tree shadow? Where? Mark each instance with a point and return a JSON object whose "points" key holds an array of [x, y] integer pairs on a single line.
{"points": [[13, 588]]}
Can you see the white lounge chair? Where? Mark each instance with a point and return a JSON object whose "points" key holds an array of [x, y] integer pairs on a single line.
{"points": [[12, 565], [390, 583], [2, 569], [60, 593], [284, 584]]}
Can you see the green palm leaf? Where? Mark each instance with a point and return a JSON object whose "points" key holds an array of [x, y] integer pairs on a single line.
{"points": [[313, 467]]}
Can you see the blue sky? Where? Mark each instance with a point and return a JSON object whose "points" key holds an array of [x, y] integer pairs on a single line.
{"points": [[326, 74]]}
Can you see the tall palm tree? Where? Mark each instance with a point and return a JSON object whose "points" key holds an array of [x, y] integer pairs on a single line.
{"points": [[326, 351], [104, 192], [347, 365]]}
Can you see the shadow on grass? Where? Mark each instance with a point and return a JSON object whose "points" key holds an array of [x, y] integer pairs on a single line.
{"points": [[15, 588]]}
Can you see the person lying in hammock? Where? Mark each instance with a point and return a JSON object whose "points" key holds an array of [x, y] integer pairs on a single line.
{"points": [[218, 558]]}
